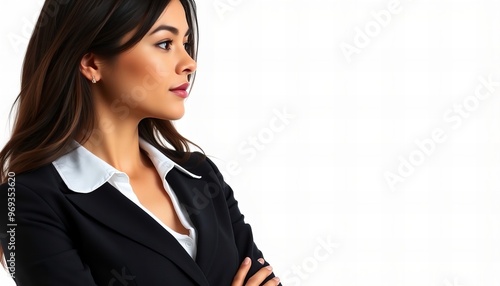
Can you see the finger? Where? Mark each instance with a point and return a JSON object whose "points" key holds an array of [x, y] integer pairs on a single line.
{"points": [[273, 282], [239, 278], [260, 276]]}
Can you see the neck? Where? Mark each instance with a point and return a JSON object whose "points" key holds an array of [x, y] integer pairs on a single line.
{"points": [[115, 138], [119, 147]]}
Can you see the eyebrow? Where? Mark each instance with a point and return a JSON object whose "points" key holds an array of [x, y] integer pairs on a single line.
{"points": [[174, 30]]}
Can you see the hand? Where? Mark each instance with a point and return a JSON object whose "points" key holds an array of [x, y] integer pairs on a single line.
{"points": [[257, 278]]}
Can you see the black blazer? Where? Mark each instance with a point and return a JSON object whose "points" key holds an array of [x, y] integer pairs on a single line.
{"points": [[64, 238]]}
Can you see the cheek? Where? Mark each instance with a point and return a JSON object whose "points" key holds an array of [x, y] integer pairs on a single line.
{"points": [[146, 70], [133, 67], [142, 69]]}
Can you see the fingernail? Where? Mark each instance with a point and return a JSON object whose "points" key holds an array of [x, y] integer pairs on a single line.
{"points": [[246, 261], [261, 260], [269, 267], [276, 279]]}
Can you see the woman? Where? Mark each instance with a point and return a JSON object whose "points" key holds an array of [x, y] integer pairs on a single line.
{"points": [[91, 191]]}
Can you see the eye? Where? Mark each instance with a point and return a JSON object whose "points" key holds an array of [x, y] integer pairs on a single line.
{"points": [[166, 44]]}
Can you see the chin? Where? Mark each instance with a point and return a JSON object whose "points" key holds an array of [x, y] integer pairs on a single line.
{"points": [[173, 115]]}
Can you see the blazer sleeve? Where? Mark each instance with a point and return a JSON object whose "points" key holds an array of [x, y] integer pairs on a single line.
{"points": [[242, 231], [44, 253]]}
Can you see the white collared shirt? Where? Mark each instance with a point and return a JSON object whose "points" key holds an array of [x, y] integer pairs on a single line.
{"points": [[84, 172]]}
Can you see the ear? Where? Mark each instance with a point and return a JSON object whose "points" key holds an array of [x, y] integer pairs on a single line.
{"points": [[89, 66]]}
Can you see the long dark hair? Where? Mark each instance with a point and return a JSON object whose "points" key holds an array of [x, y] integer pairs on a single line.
{"points": [[55, 103]]}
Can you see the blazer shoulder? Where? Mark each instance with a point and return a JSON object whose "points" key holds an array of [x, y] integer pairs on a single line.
{"points": [[42, 183], [191, 160], [45, 177], [199, 163]]}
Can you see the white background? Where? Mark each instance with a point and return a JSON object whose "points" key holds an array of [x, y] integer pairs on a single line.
{"points": [[321, 175]]}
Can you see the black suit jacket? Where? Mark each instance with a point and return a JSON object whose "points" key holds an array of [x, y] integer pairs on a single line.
{"points": [[64, 238]]}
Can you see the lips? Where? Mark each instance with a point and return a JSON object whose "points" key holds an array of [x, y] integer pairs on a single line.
{"points": [[183, 86], [181, 90]]}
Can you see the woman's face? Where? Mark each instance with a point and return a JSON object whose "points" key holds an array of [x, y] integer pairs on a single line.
{"points": [[139, 82]]}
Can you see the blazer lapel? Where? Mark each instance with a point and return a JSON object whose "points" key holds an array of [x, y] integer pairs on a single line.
{"points": [[107, 205], [194, 194]]}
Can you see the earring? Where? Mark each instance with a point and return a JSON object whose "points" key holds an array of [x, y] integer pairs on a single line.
{"points": [[93, 79]]}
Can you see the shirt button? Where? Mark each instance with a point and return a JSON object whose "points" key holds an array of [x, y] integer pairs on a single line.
{"points": [[189, 244]]}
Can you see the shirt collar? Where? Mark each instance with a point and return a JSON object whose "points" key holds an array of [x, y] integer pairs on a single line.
{"points": [[84, 172]]}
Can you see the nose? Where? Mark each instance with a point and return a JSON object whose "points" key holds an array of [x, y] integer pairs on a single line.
{"points": [[187, 65]]}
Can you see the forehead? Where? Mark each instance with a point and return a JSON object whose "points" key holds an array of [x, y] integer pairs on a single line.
{"points": [[173, 15]]}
